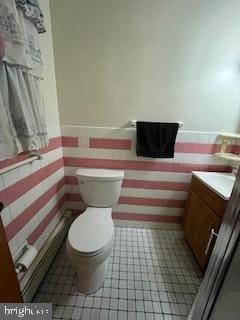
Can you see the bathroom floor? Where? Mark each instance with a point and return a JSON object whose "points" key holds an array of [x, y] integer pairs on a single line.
{"points": [[152, 275]]}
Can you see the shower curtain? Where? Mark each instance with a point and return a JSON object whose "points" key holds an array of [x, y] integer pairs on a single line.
{"points": [[22, 117]]}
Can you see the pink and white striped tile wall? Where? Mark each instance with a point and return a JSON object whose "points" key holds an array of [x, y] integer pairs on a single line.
{"points": [[33, 196], [154, 190]]}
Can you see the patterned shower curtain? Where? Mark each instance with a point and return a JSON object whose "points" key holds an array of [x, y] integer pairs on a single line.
{"points": [[22, 117]]}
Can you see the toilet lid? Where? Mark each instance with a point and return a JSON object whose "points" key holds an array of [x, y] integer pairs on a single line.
{"points": [[92, 230], [100, 174]]}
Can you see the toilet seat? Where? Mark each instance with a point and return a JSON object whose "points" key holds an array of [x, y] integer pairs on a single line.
{"points": [[92, 232], [91, 255]]}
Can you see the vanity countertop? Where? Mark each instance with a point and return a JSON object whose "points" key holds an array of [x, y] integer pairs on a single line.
{"points": [[219, 182]]}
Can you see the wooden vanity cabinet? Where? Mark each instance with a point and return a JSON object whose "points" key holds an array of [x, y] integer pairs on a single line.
{"points": [[203, 213]]}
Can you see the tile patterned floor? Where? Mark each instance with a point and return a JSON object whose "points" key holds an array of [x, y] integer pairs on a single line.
{"points": [[152, 275]]}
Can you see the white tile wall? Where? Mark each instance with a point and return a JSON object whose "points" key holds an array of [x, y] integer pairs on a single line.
{"points": [[6, 216], [144, 193], [130, 155], [18, 206], [22, 235], [148, 210], [11, 177]]}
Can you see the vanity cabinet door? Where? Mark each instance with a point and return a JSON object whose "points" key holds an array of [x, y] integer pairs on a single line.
{"points": [[199, 220]]}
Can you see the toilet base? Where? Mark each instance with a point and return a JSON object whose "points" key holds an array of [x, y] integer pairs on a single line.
{"points": [[91, 269], [90, 279]]}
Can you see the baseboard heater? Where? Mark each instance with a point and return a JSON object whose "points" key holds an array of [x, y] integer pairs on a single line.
{"points": [[31, 280]]}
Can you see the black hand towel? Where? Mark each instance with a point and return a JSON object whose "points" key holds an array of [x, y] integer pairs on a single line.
{"points": [[156, 139]]}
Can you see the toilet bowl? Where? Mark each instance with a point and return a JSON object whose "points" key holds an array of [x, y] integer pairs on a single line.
{"points": [[90, 237]]}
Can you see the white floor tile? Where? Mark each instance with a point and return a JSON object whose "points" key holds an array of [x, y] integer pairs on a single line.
{"points": [[152, 276]]}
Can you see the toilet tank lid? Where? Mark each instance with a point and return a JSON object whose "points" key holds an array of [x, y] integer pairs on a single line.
{"points": [[100, 174]]}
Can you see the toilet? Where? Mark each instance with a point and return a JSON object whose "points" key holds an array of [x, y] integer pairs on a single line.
{"points": [[90, 237]]}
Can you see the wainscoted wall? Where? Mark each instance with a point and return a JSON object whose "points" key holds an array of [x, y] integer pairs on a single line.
{"points": [[33, 196], [154, 190]]}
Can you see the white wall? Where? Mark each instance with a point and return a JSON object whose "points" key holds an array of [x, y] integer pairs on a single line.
{"points": [[148, 59], [49, 83]]}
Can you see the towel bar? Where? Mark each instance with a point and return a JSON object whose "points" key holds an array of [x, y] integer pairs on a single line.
{"points": [[32, 157], [132, 123]]}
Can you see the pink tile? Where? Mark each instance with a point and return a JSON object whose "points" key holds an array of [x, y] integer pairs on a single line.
{"points": [[70, 142], [152, 202], [15, 191], [73, 197], [235, 149], [99, 143], [71, 180], [54, 143], [142, 165], [156, 185], [17, 224], [146, 217], [33, 237], [142, 184], [196, 148]]}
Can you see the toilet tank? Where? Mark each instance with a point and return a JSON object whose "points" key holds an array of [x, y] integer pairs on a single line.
{"points": [[100, 187]]}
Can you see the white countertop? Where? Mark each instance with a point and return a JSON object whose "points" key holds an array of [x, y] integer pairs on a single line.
{"points": [[218, 182]]}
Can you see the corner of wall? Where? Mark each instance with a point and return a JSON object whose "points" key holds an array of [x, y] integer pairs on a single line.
{"points": [[49, 87]]}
